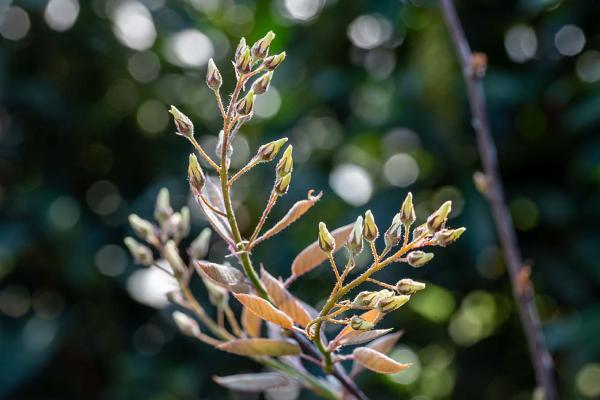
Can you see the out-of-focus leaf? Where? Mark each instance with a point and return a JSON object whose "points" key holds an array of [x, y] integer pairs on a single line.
{"points": [[297, 211], [289, 392], [384, 345], [312, 256], [212, 193], [284, 300], [251, 323], [224, 276], [265, 310], [260, 347], [376, 361], [253, 382], [359, 337], [369, 316]]}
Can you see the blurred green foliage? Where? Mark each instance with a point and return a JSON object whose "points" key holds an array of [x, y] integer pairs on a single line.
{"points": [[372, 99]]}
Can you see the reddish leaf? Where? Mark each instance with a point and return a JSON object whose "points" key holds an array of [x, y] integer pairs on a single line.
{"points": [[372, 316], [265, 310], [260, 347], [384, 345], [378, 362], [251, 323], [284, 300], [253, 382], [224, 276], [359, 337]]}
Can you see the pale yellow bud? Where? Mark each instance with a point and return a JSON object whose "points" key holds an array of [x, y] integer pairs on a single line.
{"points": [[140, 253], [245, 105], [186, 324], [326, 239], [195, 174], [418, 258], [355, 240], [359, 324], [142, 228], [286, 162], [243, 63], [273, 62], [437, 220], [268, 152], [174, 259], [213, 76], [407, 211], [184, 125], [282, 184], [260, 49], [390, 304], [163, 209], [199, 247], [370, 230], [448, 236], [408, 286], [261, 85]]}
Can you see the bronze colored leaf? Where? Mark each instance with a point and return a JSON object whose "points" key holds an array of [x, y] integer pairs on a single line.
{"points": [[260, 347], [359, 337], [212, 193], [384, 345], [297, 211], [372, 316], [251, 323], [312, 256], [224, 276], [265, 310], [378, 362], [284, 300], [253, 382]]}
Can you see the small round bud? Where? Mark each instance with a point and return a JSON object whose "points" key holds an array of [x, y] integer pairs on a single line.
{"points": [[245, 105], [195, 174], [260, 49], [286, 162], [140, 253], [408, 286], [448, 236], [437, 220], [184, 125], [273, 62], [243, 63], [370, 230], [326, 239], [261, 85], [268, 152], [163, 209], [359, 324], [355, 240], [282, 184], [407, 211], [418, 258], [199, 247], [481, 182], [213, 76], [394, 233], [186, 324], [392, 303], [174, 259], [142, 228]]}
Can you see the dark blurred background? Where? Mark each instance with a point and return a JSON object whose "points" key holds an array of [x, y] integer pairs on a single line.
{"points": [[372, 99]]}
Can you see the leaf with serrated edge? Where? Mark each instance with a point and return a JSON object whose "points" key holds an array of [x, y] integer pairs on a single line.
{"points": [[369, 316], [297, 211], [260, 347], [251, 323], [384, 345], [284, 300], [223, 275], [376, 361], [265, 310], [312, 256], [359, 337], [253, 382]]}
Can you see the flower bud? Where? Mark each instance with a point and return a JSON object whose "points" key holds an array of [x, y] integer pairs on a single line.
{"points": [[407, 211], [213, 76], [195, 174], [448, 236], [365, 299], [180, 224], [261, 85], [408, 286], [142, 228], [182, 123], [355, 240], [392, 303], [268, 152], [273, 62], [370, 230], [359, 324], [481, 182], [282, 184], [140, 253], [420, 231], [394, 233], [286, 162], [418, 258], [217, 295], [245, 105], [186, 324], [174, 259], [243, 63], [326, 239], [163, 210], [241, 48], [199, 247], [437, 220], [260, 49]]}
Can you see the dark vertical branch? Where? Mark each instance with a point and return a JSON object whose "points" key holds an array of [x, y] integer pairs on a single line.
{"points": [[473, 67]]}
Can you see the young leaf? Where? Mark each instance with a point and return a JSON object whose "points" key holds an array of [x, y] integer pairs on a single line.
{"points": [[384, 345], [372, 316], [223, 275], [263, 309], [211, 192], [260, 347], [312, 256], [251, 323], [284, 300], [297, 211], [253, 382], [359, 337], [376, 361]]}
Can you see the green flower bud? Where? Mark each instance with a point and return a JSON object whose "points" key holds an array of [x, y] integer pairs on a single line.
{"points": [[273, 62], [418, 258], [163, 210], [241, 48], [213, 76], [370, 230], [199, 247], [140, 253], [326, 239], [245, 105], [261, 85], [359, 324], [286, 162], [186, 324], [355, 240], [260, 49], [394, 233], [407, 211], [448, 236], [195, 174], [174, 259], [184, 125], [142, 228], [390, 304], [282, 184], [179, 224], [243, 63], [420, 231], [364, 299], [408, 286], [437, 220], [268, 152]]}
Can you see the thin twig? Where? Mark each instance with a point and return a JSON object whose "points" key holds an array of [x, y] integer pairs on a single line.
{"points": [[473, 72], [203, 153]]}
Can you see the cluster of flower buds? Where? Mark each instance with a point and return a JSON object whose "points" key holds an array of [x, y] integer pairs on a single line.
{"points": [[283, 172]]}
